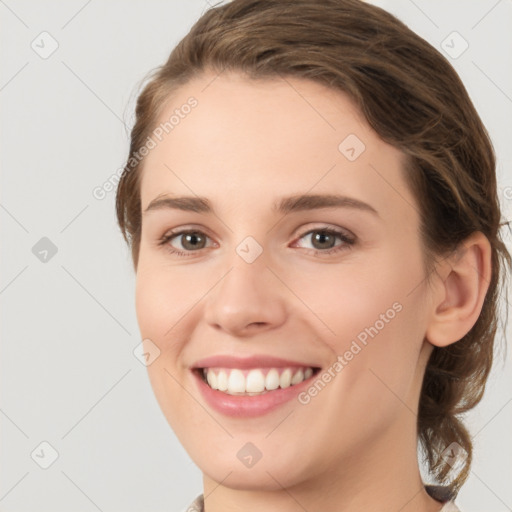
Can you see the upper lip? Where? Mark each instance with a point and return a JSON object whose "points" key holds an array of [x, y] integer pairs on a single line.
{"points": [[255, 361]]}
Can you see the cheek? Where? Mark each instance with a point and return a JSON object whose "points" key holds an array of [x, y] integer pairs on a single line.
{"points": [[161, 308], [349, 298], [168, 308], [377, 343], [375, 316], [162, 297], [150, 306]]}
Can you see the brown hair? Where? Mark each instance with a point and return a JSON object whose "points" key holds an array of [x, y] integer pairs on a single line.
{"points": [[414, 100]]}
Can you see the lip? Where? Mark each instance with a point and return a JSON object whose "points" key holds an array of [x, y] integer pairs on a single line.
{"points": [[248, 406], [255, 361]]}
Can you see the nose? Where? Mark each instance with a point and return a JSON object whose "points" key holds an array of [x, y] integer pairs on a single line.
{"points": [[248, 299]]}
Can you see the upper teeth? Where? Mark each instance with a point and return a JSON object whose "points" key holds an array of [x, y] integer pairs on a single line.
{"points": [[235, 381]]}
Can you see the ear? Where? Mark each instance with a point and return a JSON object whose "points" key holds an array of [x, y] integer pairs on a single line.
{"points": [[459, 289]]}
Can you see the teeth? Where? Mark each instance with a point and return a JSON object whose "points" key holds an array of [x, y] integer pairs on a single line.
{"points": [[272, 380], [236, 382], [286, 378], [255, 381], [222, 381], [297, 378], [212, 380]]}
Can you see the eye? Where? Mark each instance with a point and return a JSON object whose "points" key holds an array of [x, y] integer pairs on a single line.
{"points": [[192, 240], [324, 240]]}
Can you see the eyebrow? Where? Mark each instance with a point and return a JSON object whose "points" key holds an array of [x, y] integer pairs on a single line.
{"points": [[295, 203]]}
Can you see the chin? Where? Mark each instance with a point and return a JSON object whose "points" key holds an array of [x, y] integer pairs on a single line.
{"points": [[263, 476]]}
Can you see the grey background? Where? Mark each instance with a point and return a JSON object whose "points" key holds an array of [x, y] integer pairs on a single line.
{"points": [[69, 376]]}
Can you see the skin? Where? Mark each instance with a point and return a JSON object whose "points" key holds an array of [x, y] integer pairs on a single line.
{"points": [[246, 145]]}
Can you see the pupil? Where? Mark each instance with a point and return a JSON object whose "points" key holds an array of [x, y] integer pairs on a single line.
{"points": [[191, 237], [322, 237]]}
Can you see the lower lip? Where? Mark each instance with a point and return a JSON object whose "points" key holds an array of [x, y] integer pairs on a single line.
{"points": [[249, 406]]}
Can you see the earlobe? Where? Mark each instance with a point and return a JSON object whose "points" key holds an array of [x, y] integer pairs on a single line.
{"points": [[459, 291]]}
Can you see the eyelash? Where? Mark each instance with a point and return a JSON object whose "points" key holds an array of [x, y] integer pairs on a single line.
{"points": [[347, 241]]}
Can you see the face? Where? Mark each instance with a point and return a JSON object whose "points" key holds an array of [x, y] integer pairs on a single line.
{"points": [[335, 283]]}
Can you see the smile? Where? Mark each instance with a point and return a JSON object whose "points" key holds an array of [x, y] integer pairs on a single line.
{"points": [[257, 381], [232, 398]]}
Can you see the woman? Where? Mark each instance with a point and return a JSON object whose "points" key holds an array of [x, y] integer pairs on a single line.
{"points": [[310, 199]]}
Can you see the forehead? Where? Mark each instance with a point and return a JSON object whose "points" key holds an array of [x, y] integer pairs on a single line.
{"points": [[247, 140]]}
